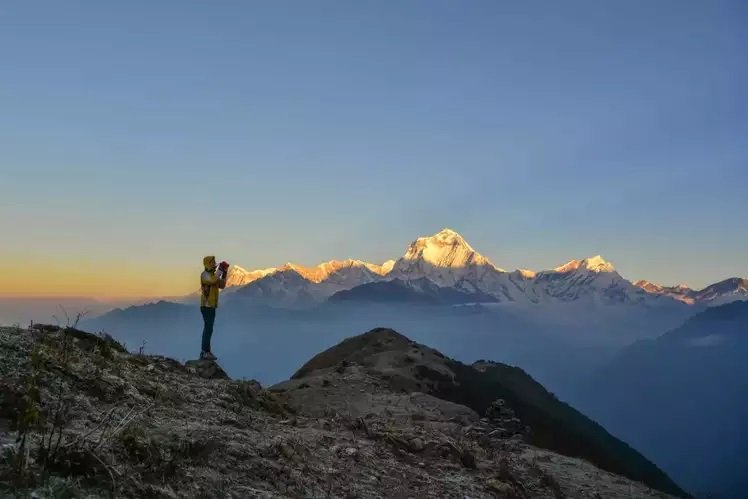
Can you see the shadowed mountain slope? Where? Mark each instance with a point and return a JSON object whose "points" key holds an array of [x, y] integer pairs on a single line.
{"points": [[683, 400]]}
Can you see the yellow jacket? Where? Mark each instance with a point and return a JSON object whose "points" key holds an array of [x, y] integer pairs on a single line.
{"points": [[210, 283]]}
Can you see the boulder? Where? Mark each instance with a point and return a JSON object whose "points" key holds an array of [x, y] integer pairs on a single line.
{"points": [[208, 369], [416, 445]]}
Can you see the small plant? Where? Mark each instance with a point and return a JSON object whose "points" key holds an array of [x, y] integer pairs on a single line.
{"points": [[104, 348], [42, 418], [70, 321], [29, 418], [134, 442], [505, 473], [57, 488], [32, 425], [53, 428], [547, 480], [465, 453]]}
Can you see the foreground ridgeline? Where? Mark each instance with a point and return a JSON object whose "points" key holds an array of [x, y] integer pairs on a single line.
{"points": [[377, 415]]}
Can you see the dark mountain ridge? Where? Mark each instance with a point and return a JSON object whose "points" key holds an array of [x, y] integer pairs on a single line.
{"points": [[417, 291]]}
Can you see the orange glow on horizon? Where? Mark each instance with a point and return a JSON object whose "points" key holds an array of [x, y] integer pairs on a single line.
{"points": [[110, 282]]}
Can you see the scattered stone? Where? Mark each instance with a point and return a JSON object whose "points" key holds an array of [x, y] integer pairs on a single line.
{"points": [[45, 328], [252, 385], [467, 458], [340, 369], [501, 489], [499, 423], [287, 451], [416, 445]]}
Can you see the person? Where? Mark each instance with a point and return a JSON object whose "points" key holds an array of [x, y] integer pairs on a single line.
{"points": [[212, 280]]}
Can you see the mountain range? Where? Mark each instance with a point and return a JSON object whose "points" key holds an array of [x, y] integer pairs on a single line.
{"points": [[720, 293], [447, 260]]}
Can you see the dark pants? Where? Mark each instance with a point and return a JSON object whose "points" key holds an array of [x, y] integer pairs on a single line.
{"points": [[209, 318]]}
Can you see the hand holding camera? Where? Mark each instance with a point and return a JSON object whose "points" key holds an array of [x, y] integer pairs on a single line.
{"points": [[223, 267]]}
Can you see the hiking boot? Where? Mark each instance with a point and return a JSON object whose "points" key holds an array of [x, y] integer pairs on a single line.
{"points": [[207, 356]]}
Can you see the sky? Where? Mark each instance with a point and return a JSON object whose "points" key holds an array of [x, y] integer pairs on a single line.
{"points": [[136, 137]]}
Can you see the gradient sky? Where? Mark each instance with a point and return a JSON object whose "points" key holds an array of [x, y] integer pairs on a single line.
{"points": [[137, 136]]}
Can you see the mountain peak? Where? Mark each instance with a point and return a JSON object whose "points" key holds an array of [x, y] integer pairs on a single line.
{"points": [[446, 232], [598, 264], [734, 288], [446, 248], [593, 263], [447, 236], [239, 276], [526, 273], [648, 285], [324, 270], [383, 269]]}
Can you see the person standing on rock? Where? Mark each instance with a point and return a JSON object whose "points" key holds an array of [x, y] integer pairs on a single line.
{"points": [[212, 280]]}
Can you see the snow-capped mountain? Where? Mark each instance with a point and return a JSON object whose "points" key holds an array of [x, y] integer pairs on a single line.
{"points": [[337, 270], [446, 257], [296, 285], [595, 264], [341, 272], [679, 292], [239, 276], [723, 292], [447, 260], [720, 293], [286, 287], [592, 278]]}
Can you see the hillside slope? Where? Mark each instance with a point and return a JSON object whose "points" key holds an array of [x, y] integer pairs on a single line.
{"points": [[411, 367]]}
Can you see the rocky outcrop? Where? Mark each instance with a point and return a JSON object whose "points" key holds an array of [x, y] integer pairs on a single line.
{"points": [[208, 369], [498, 424]]}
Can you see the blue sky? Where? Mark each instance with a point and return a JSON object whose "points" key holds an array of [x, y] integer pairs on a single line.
{"points": [[137, 136]]}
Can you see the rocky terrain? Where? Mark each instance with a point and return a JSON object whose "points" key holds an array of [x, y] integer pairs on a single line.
{"points": [[372, 417]]}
